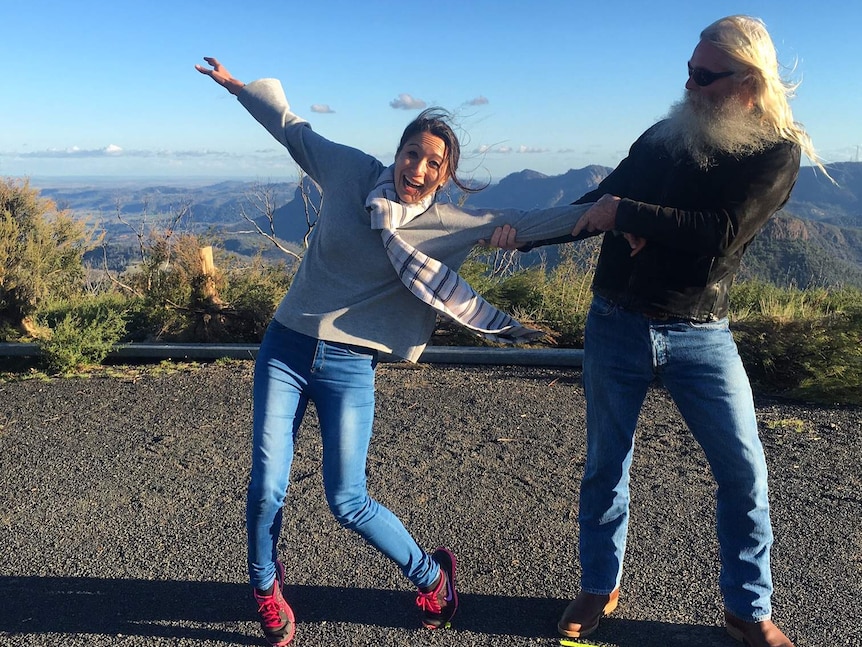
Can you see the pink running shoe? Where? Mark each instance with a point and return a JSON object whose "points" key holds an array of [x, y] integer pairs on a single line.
{"points": [[440, 603], [276, 616]]}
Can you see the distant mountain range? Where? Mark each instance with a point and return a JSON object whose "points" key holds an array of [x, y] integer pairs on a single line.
{"points": [[816, 240]]}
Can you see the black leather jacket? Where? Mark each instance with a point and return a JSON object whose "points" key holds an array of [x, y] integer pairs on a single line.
{"points": [[697, 223]]}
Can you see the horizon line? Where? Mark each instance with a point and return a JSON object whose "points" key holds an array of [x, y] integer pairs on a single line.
{"points": [[173, 178]]}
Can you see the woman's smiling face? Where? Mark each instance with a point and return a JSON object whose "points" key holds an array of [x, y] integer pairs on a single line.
{"points": [[420, 167]]}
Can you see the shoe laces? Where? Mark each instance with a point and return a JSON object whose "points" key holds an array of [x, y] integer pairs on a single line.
{"points": [[430, 601], [269, 610]]}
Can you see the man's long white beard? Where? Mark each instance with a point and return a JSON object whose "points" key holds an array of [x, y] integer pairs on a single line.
{"points": [[697, 128]]}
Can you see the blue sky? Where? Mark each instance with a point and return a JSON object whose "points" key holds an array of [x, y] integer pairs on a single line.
{"points": [[97, 88]]}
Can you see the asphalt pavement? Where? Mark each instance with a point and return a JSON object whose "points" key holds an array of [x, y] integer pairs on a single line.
{"points": [[122, 496]]}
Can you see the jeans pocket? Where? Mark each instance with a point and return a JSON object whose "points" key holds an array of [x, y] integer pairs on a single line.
{"points": [[602, 307], [354, 351]]}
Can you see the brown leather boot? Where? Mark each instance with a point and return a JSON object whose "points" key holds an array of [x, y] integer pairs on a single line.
{"points": [[582, 616], [756, 634]]}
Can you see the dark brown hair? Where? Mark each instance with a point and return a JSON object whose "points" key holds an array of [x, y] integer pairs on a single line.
{"points": [[435, 121]]}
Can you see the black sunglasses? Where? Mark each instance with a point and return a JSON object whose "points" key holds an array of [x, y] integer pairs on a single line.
{"points": [[704, 77]]}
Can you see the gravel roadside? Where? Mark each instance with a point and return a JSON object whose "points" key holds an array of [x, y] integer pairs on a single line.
{"points": [[121, 514]]}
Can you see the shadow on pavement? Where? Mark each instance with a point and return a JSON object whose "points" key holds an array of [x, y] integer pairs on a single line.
{"points": [[193, 610]]}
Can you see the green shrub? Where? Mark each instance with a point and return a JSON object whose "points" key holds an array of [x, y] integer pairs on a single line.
{"points": [[176, 301], [82, 333], [815, 358], [252, 294], [755, 298], [523, 292], [555, 300], [164, 284], [567, 296], [41, 250]]}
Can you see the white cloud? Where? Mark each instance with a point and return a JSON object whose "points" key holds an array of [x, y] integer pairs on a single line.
{"points": [[407, 102], [322, 108], [478, 101], [112, 150], [115, 161], [72, 151], [485, 149]]}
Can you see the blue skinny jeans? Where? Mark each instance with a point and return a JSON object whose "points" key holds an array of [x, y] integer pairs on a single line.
{"points": [[700, 367], [290, 370]]}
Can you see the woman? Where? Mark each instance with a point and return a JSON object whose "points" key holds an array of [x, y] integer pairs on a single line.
{"points": [[346, 304]]}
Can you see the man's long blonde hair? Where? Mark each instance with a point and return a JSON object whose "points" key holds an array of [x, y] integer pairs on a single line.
{"points": [[749, 45]]}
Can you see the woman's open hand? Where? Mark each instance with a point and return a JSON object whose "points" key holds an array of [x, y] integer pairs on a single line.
{"points": [[220, 75]]}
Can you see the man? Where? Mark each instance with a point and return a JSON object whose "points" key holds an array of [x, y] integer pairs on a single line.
{"points": [[682, 208]]}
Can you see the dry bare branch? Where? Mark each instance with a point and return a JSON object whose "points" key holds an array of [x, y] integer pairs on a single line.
{"points": [[264, 199], [114, 279]]}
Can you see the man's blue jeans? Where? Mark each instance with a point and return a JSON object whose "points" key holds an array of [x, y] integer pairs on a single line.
{"points": [[701, 369], [292, 369]]}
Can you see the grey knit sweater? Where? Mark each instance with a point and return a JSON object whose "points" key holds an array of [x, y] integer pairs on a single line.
{"points": [[346, 289]]}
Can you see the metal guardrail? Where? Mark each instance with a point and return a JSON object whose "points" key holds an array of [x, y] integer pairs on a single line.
{"points": [[431, 355]]}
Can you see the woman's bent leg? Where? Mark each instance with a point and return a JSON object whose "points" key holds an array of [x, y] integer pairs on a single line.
{"points": [[343, 391]]}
